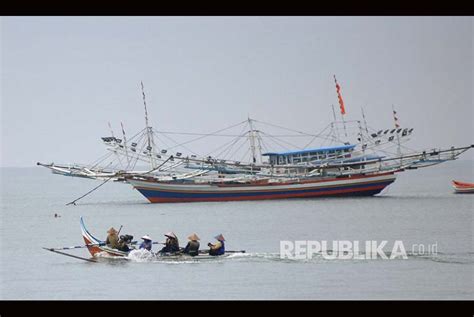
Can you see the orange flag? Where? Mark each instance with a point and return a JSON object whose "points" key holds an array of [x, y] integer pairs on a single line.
{"points": [[341, 102]]}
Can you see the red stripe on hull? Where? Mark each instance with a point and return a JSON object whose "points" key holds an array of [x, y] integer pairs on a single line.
{"points": [[265, 197], [92, 250]]}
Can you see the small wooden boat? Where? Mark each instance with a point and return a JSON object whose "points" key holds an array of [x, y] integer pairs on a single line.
{"points": [[463, 188], [98, 247]]}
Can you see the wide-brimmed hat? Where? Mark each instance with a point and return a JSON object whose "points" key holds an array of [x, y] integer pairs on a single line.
{"points": [[193, 237], [112, 230], [145, 237], [171, 235], [219, 237]]}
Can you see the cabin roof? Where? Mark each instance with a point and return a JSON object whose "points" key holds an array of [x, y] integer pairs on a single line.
{"points": [[321, 149]]}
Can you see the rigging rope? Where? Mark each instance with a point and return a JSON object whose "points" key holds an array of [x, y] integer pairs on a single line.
{"points": [[201, 137]]}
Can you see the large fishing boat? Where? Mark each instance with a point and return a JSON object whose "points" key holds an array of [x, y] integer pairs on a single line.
{"points": [[350, 185], [356, 160]]}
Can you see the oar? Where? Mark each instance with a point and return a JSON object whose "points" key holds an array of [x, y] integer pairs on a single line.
{"points": [[72, 256], [226, 251]]}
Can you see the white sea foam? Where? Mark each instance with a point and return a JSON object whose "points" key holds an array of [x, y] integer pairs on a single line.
{"points": [[104, 254], [141, 255]]}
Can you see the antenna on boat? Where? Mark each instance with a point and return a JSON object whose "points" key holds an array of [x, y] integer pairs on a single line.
{"points": [[149, 131]]}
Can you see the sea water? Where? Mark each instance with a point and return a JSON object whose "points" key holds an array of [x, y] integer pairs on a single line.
{"points": [[419, 208]]}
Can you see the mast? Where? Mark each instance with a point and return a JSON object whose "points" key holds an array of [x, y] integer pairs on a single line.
{"points": [[111, 131], [365, 121], [361, 134], [115, 151], [149, 130], [363, 131], [344, 124], [397, 125], [125, 144], [334, 125], [252, 141], [259, 142]]}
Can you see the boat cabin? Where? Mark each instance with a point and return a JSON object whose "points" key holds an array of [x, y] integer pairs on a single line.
{"points": [[310, 155]]}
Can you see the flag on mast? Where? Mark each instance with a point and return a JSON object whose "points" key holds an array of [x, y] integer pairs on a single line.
{"points": [[339, 96], [395, 119]]}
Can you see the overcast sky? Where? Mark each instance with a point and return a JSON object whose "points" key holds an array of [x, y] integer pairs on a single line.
{"points": [[65, 78]]}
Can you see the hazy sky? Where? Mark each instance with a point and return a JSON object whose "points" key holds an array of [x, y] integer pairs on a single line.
{"points": [[64, 78]]}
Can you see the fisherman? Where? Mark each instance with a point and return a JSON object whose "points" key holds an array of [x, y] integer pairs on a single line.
{"points": [[192, 248], [171, 244], [217, 248], [146, 244], [124, 242], [112, 240]]}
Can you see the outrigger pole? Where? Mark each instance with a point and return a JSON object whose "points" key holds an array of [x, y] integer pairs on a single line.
{"points": [[72, 256], [91, 245]]}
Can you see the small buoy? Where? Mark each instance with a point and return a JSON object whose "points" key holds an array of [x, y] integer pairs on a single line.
{"points": [[56, 215]]}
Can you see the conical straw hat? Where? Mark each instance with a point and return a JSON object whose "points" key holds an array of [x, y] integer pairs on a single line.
{"points": [[194, 237], [219, 237], [171, 235], [146, 237], [112, 230]]}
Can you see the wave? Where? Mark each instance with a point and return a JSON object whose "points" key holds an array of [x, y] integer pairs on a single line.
{"points": [[144, 256]]}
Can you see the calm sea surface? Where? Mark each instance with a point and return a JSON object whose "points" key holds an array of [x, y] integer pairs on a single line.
{"points": [[419, 208]]}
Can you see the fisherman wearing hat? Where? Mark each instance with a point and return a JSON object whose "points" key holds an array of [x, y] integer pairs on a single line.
{"points": [[171, 244], [192, 248], [112, 240], [146, 244], [217, 248]]}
